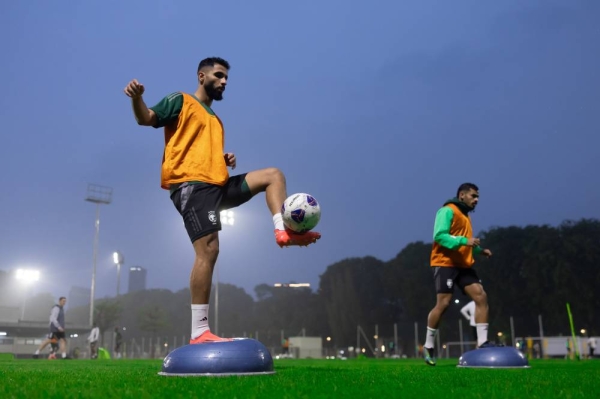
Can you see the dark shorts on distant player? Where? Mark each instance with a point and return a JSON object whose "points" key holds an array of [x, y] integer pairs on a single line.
{"points": [[200, 204], [57, 335], [446, 278]]}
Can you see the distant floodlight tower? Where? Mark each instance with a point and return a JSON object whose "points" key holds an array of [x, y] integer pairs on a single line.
{"points": [[98, 195], [227, 219], [26, 277], [118, 259]]}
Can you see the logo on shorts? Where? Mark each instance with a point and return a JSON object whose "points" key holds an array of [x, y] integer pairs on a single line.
{"points": [[212, 217], [449, 283]]}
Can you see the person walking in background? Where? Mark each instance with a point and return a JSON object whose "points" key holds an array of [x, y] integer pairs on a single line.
{"points": [[57, 328], [93, 340], [591, 346], [118, 343]]}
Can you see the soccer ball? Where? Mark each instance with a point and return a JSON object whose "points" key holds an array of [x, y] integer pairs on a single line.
{"points": [[301, 212]]}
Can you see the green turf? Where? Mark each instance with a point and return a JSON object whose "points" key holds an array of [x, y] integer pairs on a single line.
{"points": [[300, 379]]}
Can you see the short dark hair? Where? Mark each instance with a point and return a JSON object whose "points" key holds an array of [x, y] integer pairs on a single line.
{"points": [[466, 187], [211, 61]]}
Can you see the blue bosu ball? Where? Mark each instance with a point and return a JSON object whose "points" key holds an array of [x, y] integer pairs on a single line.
{"points": [[242, 356], [494, 357]]}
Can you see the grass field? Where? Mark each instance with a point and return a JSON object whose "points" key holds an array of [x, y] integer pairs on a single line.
{"points": [[368, 378]]}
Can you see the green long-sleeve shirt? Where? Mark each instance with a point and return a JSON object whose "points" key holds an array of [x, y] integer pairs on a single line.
{"points": [[441, 231]]}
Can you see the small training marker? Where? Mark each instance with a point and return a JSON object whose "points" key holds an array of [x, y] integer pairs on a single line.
{"points": [[494, 357], [242, 356]]}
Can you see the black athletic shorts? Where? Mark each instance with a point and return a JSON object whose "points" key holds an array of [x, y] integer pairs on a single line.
{"points": [[57, 335], [200, 204], [447, 277]]}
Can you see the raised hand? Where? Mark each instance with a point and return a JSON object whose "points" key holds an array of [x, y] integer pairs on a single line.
{"points": [[134, 89]]}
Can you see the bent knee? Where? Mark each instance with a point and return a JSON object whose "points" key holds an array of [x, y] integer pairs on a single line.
{"points": [[479, 296], [274, 175], [259, 180]]}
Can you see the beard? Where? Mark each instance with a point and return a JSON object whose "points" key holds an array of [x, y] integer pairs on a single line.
{"points": [[213, 93]]}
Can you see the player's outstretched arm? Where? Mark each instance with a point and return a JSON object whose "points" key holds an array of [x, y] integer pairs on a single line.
{"points": [[143, 115]]}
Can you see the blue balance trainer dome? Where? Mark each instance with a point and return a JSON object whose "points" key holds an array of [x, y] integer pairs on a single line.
{"points": [[494, 357], [242, 356]]}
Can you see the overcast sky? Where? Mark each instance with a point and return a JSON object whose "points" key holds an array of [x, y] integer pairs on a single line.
{"points": [[379, 109]]}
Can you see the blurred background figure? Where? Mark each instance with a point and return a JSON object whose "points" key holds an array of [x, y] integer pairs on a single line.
{"points": [[468, 311], [118, 343], [93, 340]]}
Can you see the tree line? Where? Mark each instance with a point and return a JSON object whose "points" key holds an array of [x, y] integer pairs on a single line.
{"points": [[534, 272]]}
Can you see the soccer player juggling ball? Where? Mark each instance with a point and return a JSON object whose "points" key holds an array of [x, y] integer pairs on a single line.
{"points": [[194, 170]]}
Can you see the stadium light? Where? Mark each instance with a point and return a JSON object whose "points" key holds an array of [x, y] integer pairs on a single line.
{"points": [[227, 218], [291, 285], [583, 331], [26, 277], [99, 195], [118, 259]]}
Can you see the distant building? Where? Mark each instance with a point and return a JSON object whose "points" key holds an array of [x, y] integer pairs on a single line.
{"points": [[137, 279], [79, 296]]}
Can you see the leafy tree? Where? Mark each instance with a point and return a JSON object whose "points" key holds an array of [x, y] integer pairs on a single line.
{"points": [[353, 294], [289, 310], [236, 310], [535, 270], [153, 319], [106, 314]]}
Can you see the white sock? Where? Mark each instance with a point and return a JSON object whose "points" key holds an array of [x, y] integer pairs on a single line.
{"points": [[430, 338], [482, 332], [37, 351], [278, 222], [64, 355], [199, 320]]}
